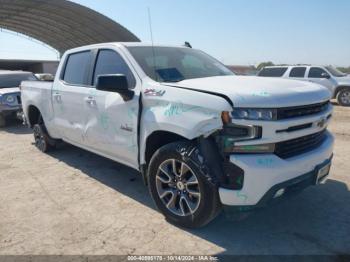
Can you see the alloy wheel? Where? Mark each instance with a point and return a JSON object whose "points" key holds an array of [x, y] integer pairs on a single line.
{"points": [[345, 97], [178, 187], [39, 138]]}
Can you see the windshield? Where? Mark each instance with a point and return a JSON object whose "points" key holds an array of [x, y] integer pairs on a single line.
{"points": [[14, 80], [172, 64], [335, 72]]}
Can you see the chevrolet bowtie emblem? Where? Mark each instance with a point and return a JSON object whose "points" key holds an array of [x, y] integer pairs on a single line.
{"points": [[322, 122]]}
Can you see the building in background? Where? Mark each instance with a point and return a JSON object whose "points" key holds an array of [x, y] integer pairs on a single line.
{"points": [[35, 66]]}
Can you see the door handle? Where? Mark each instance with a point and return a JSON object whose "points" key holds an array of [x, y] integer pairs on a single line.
{"points": [[57, 97], [90, 100]]}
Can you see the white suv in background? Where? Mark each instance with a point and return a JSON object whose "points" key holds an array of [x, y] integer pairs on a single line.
{"points": [[337, 82]]}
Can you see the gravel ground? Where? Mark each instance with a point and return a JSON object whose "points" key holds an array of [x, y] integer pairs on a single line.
{"points": [[73, 202]]}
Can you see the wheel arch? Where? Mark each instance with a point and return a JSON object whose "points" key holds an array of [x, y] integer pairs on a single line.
{"points": [[160, 138], [34, 115]]}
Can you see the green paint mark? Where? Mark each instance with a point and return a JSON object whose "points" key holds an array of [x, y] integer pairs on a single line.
{"points": [[104, 121], [242, 196], [239, 180], [262, 93], [132, 113], [179, 108], [93, 92]]}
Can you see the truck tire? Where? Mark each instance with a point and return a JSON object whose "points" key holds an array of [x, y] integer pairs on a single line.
{"points": [[42, 139], [181, 186], [2, 120], [343, 97]]}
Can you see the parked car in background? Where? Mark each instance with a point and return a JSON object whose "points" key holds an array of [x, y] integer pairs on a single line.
{"points": [[45, 77], [10, 95], [337, 82], [201, 136]]}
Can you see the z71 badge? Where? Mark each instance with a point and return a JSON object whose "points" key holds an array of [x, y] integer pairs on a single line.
{"points": [[154, 92]]}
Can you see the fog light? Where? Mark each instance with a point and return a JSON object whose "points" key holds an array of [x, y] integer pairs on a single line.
{"points": [[280, 193]]}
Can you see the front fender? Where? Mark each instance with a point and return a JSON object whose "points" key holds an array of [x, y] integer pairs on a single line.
{"points": [[186, 113]]}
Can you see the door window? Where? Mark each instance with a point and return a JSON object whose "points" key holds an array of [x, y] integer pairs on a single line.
{"points": [[298, 72], [77, 68], [110, 62], [316, 72]]}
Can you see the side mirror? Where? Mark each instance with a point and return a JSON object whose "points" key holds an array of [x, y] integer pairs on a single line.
{"points": [[115, 83], [325, 75]]}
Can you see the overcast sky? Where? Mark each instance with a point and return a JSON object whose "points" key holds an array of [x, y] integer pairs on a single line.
{"points": [[234, 31]]}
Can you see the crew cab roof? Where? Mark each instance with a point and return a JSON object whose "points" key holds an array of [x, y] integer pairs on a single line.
{"points": [[120, 44]]}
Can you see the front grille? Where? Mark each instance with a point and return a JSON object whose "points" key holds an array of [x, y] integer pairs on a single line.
{"points": [[19, 100], [299, 145], [291, 112]]}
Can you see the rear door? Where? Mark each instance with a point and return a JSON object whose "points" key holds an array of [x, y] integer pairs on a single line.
{"points": [[69, 96], [273, 71], [298, 73], [111, 127]]}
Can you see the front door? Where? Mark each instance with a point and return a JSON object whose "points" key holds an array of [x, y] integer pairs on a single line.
{"points": [[111, 127], [320, 76]]}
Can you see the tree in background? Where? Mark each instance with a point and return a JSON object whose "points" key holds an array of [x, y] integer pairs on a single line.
{"points": [[345, 70], [263, 64]]}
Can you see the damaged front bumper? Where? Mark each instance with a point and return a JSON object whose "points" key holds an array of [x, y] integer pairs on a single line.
{"points": [[267, 177]]}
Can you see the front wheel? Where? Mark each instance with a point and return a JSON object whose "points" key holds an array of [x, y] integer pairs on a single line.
{"points": [[182, 191], [343, 97]]}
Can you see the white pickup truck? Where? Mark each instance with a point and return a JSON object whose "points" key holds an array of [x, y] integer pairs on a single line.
{"points": [[201, 137]]}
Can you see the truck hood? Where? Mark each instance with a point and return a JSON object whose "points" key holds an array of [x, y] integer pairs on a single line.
{"points": [[10, 90], [260, 92]]}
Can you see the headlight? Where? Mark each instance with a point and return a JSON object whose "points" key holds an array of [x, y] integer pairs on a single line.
{"points": [[231, 134], [254, 114], [10, 99]]}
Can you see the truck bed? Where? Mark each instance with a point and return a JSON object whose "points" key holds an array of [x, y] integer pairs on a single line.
{"points": [[38, 94]]}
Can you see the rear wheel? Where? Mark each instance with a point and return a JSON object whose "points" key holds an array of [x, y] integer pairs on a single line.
{"points": [[343, 97], [180, 188], [42, 139]]}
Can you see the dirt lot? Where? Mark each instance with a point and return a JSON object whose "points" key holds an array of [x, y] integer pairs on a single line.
{"points": [[74, 202]]}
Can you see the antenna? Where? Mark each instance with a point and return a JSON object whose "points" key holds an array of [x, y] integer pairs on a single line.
{"points": [[153, 49]]}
